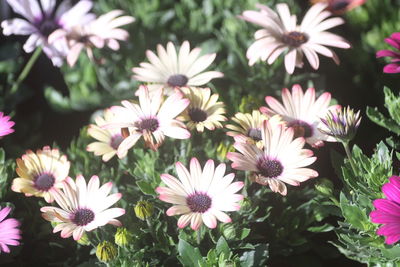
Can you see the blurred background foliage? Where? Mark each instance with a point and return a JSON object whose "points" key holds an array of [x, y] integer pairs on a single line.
{"points": [[53, 106]]}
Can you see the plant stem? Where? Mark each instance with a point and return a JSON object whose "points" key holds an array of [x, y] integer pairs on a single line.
{"points": [[26, 70], [198, 232], [348, 152], [151, 229]]}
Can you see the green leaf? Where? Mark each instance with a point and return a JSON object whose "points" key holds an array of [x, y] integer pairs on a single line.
{"points": [[188, 255], [321, 229], [377, 117], [353, 214], [146, 188], [222, 246]]}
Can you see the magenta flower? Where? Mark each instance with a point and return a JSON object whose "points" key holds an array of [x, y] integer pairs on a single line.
{"points": [[5, 125], [9, 232], [388, 211], [394, 41]]}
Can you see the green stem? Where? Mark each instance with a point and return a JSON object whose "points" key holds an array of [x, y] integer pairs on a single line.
{"points": [[151, 229], [26, 70], [198, 232], [348, 152]]}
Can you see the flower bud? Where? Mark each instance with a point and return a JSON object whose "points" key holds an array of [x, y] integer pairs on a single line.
{"points": [[143, 209], [106, 251], [84, 240], [122, 237]]}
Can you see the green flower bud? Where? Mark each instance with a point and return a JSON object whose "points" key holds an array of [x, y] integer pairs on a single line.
{"points": [[122, 237], [143, 209], [106, 251], [325, 187]]}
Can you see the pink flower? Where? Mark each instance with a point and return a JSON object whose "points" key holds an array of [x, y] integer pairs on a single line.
{"points": [[9, 232], [201, 196], [339, 7], [394, 41], [40, 20], [281, 33], [5, 125], [388, 211]]}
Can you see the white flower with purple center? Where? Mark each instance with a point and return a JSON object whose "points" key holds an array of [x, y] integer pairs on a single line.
{"points": [[41, 18], [83, 207], [201, 196]]}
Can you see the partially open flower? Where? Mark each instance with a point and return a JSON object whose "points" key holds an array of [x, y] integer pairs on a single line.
{"points": [[341, 124], [108, 139], [98, 33], [171, 69], [203, 111], [40, 173]]}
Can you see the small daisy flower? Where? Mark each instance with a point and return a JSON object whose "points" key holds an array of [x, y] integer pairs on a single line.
{"points": [[5, 125], [282, 159], [151, 118], [339, 7], [42, 18], [203, 111], [40, 173], [82, 207], [303, 112], [98, 33], [387, 211], [171, 69], [394, 41], [9, 231], [201, 196], [249, 126], [108, 139], [282, 34]]}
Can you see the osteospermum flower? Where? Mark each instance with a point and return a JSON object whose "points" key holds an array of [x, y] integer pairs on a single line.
{"points": [[174, 69], [9, 232], [387, 211], [203, 111], [394, 41], [5, 125], [108, 139], [282, 159], [249, 126], [282, 34], [339, 7], [152, 119], [41, 18], [342, 124], [98, 33], [303, 112], [83, 207], [40, 173], [200, 195]]}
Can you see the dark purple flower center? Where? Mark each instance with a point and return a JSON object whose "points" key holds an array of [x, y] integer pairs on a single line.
{"points": [[295, 39], [44, 181], [149, 124], [301, 128], [197, 115], [83, 217], [198, 202], [254, 134], [270, 168], [47, 25], [177, 80], [116, 140], [339, 5]]}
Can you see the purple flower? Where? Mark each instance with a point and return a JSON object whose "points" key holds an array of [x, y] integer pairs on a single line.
{"points": [[9, 232], [5, 125], [39, 18], [394, 41], [388, 211]]}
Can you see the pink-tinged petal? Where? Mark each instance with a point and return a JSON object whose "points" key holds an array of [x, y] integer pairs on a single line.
{"points": [[387, 53], [77, 233], [204, 78], [393, 42], [184, 220], [128, 142], [196, 221], [209, 220], [4, 212], [76, 13], [173, 199], [311, 56], [221, 216], [178, 210]]}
